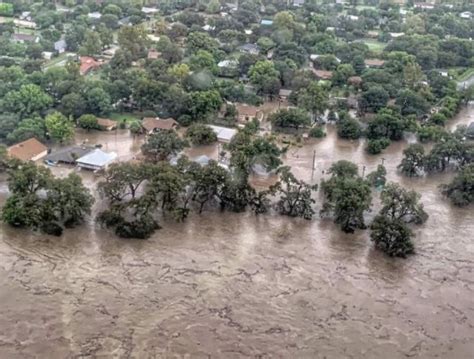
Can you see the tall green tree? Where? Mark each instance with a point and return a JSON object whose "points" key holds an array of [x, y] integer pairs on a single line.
{"points": [[59, 127]]}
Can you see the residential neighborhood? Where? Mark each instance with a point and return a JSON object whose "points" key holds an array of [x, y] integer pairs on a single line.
{"points": [[236, 178]]}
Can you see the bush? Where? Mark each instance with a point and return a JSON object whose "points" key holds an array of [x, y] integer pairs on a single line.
{"points": [[392, 237], [200, 134], [317, 132], [376, 146], [141, 228], [438, 119], [185, 120], [349, 129], [52, 228]]}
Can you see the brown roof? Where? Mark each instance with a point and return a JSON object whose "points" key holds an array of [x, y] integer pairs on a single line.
{"points": [[245, 110], [355, 80], [152, 123], [322, 74], [153, 54], [374, 62], [27, 150], [87, 64], [105, 122]]}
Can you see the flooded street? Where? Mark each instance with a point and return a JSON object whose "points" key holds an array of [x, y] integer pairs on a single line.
{"points": [[225, 285]]}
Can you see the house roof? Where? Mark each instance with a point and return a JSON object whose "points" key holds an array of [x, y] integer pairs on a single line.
{"points": [[26, 150], [97, 158], [356, 80], [249, 48], [374, 62], [152, 123], [24, 37], [69, 154], [285, 92], [60, 45], [323, 74], [149, 10], [105, 122], [88, 63], [246, 110], [223, 133], [153, 54]]}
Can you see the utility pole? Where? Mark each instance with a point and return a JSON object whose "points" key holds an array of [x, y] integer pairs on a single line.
{"points": [[363, 171], [314, 164], [383, 160]]}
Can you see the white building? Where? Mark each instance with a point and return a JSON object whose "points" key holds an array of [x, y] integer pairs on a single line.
{"points": [[224, 134], [96, 160]]}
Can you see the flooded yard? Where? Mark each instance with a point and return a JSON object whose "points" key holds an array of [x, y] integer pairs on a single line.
{"points": [[224, 285]]}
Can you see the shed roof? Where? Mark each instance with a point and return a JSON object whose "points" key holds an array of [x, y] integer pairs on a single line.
{"points": [[224, 134], [97, 158]]}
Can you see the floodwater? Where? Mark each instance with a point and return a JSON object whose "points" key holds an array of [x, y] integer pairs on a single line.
{"points": [[224, 285]]}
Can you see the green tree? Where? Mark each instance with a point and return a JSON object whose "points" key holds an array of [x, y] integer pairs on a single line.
{"points": [[349, 128], [314, 99], [378, 177], [347, 196], [92, 44], [295, 195], [59, 127], [88, 122], [389, 230], [413, 160], [199, 134], [134, 40], [289, 118], [265, 77], [461, 189], [163, 144], [28, 100]]}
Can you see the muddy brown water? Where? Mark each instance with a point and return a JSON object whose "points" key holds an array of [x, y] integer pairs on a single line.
{"points": [[226, 285]]}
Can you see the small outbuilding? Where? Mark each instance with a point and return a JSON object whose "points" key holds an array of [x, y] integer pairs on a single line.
{"points": [[224, 134], [96, 160]]}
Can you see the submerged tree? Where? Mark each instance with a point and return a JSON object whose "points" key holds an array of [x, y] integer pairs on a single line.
{"points": [[163, 144], [295, 195], [348, 196], [40, 201], [390, 232], [461, 189], [413, 160]]}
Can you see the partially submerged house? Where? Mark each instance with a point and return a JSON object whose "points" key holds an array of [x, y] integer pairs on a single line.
{"points": [[248, 113], [96, 160], [106, 124], [68, 155], [154, 124], [29, 150]]}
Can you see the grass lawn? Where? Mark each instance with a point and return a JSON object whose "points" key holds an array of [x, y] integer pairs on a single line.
{"points": [[128, 117], [466, 74], [56, 60], [374, 45]]}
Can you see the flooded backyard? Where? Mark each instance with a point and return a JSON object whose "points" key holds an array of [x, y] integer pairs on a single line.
{"points": [[225, 285]]}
